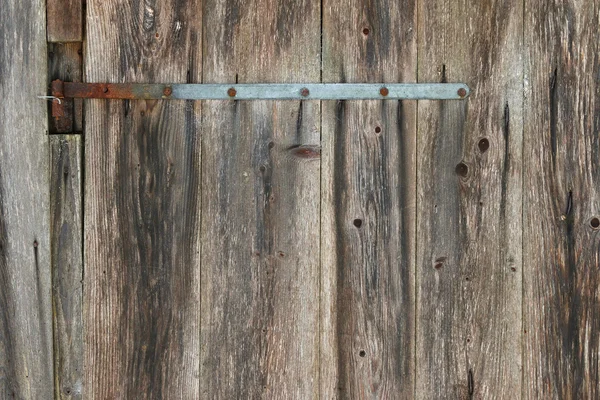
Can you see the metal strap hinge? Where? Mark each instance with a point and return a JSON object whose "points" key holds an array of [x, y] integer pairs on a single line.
{"points": [[259, 91]]}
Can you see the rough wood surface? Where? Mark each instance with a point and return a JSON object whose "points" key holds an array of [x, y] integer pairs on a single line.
{"points": [[469, 248], [65, 20], [368, 204], [67, 264], [142, 205], [260, 205], [65, 62], [25, 298], [562, 200]]}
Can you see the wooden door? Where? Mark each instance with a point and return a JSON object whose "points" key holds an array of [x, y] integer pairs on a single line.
{"points": [[379, 249]]}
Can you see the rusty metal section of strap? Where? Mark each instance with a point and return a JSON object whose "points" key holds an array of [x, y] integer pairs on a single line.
{"points": [[262, 91]]}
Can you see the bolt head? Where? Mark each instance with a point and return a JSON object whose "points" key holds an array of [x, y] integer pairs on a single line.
{"points": [[304, 92], [384, 91], [168, 91], [462, 92], [231, 92]]}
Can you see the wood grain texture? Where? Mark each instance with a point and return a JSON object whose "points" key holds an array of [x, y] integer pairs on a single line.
{"points": [[65, 62], [65, 20], [142, 205], [562, 178], [469, 249], [67, 264], [25, 298], [368, 204], [260, 205]]}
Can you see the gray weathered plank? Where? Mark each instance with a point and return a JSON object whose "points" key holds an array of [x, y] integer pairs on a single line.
{"points": [[65, 20], [368, 204], [25, 299], [67, 264], [562, 200], [260, 205], [469, 249], [142, 205], [65, 62]]}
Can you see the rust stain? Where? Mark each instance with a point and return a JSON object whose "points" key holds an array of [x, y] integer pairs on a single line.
{"points": [[58, 109], [127, 91], [309, 151]]}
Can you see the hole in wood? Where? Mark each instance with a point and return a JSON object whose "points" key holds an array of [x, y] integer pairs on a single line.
{"points": [[362, 353], [595, 223], [357, 222], [366, 31], [483, 145], [462, 169], [377, 129]]}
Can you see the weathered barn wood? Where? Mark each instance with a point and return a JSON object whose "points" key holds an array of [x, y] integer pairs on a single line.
{"points": [[67, 264], [65, 20], [25, 298], [65, 62], [469, 202], [431, 250], [260, 205], [561, 320], [142, 205], [368, 204]]}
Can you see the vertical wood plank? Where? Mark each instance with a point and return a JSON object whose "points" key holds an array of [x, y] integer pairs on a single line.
{"points": [[65, 20], [260, 205], [67, 264], [142, 205], [368, 204], [469, 249], [65, 62], [25, 298], [562, 200]]}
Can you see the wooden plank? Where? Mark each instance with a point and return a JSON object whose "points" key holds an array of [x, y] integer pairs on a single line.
{"points": [[368, 204], [67, 264], [25, 299], [142, 205], [469, 249], [260, 205], [65, 20], [561, 203], [65, 62]]}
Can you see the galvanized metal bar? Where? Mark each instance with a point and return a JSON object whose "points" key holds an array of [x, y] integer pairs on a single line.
{"points": [[266, 91]]}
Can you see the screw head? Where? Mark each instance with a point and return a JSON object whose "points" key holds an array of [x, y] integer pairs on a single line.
{"points": [[231, 92], [462, 92], [384, 91], [168, 91], [304, 92]]}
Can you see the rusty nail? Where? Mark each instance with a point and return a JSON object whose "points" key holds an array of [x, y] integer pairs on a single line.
{"points": [[168, 91], [231, 92], [384, 91], [304, 92], [462, 92]]}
